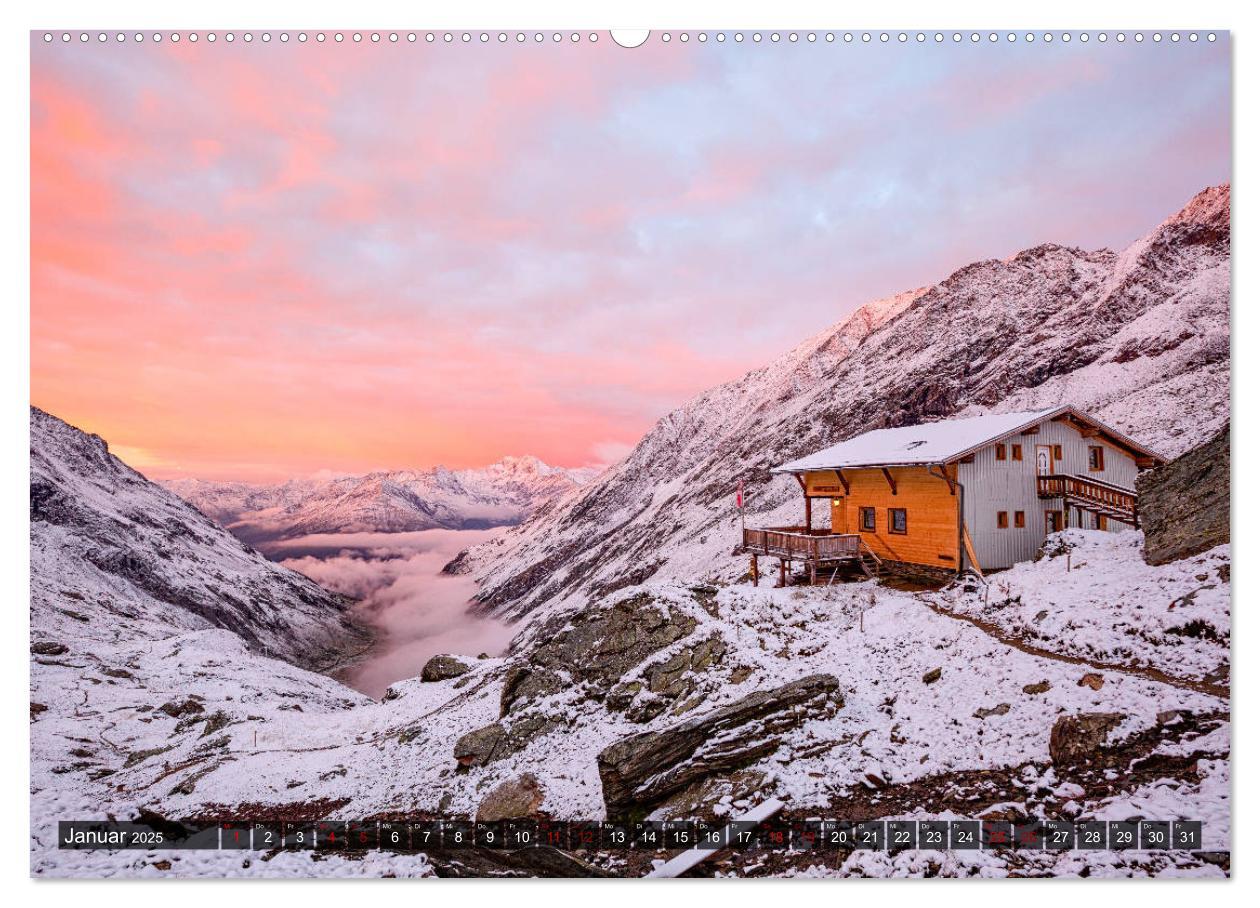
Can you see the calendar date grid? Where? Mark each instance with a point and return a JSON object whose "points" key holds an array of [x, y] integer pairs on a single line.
{"points": [[666, 835]]}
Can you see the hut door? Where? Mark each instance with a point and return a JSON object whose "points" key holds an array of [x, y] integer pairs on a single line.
{"points": [[1045, 460], [839, 519]]}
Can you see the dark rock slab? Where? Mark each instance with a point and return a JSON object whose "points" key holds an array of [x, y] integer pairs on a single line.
{"points": [[640, 771], [540, 861]]}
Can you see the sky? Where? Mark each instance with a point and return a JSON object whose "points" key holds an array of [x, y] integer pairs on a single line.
{"points": [[260, 261]]}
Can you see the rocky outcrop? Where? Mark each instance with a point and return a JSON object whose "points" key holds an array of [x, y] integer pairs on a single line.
{"points": [[443, 667], [1184, 505], [668, 683], [598, 647], [1077, 739], [592, 651], [643, 770]]}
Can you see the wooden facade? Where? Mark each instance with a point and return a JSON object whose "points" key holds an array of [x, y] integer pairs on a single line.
{"points": [[928, 495]]}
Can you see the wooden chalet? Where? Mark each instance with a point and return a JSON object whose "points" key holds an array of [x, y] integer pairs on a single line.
{"points": [[966, 494]]}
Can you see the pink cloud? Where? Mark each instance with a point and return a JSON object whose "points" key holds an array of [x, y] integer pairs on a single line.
{"points": [[253, 263]]}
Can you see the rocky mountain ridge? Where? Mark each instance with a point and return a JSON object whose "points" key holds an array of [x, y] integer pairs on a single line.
{"points": [[115, 556], [1140, 338]]}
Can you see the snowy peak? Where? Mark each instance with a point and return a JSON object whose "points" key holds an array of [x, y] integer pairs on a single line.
{"points": [[525, 464], [1210, 209], [112, 552]]}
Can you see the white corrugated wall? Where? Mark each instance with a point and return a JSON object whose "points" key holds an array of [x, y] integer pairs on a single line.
{"points": [[991, 485]]}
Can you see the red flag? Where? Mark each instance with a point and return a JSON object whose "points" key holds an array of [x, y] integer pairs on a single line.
{"points": [[739, 495]]}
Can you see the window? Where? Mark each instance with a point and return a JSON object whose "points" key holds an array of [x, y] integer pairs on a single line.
{"points": [[1019, 520], [897, 520], [1058, 452], [1017, 452], [868, 520], [999, 451], [1002, 520], [1095, 458]]}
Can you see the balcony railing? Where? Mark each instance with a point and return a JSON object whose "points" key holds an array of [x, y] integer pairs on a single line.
{"points": [[1091, 494], [802, 544]]}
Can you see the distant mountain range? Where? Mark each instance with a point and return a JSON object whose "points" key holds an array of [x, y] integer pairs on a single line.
{"points": [[1138, 337], [502, 494]]}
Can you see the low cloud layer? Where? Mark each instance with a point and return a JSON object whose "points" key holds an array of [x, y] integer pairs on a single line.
{"points": [[397, 577]]}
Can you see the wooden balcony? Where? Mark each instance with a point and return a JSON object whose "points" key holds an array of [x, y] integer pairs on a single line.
{"points": [[801, 544], [1092, 495]]}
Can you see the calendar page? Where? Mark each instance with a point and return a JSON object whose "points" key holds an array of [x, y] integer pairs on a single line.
{"points": [[725, 453]]}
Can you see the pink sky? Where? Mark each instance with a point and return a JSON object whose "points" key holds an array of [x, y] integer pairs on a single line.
{"points": [[259, 261]]}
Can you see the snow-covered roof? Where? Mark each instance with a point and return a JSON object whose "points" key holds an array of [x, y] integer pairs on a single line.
{"points": [[940, 442]]}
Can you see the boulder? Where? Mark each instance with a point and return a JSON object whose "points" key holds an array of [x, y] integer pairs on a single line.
{"points": [[442, 667], [515, 799], [523, 684], [641, 771], [1039, 688], [1092, 680], [933, 676], [480, 746], [494, 742], [985, 711], [1077, 739], [178, 710], [1184, 505]]}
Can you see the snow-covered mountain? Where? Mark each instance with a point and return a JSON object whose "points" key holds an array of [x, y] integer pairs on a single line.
{"points": [[397, 501], [1140, 338], [117, 557]]}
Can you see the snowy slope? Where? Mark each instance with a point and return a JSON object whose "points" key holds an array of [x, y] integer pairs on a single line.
{"points": [[1138, 338], [114, 557], [397, 501], [270, 740]]}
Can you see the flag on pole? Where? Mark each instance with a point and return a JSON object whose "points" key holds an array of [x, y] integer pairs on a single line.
{"points": [[739, 495]]}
